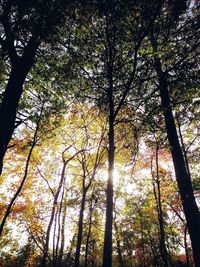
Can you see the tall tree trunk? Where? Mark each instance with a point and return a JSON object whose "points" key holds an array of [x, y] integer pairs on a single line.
{"points": [[86, 175], [119, 252], [8, 108], [89, 233], [190, 207], [62, 242], [55, 201], [46, 247], [80, 230], [55, 237], [59, 222], [107, 250], [157, 194]]}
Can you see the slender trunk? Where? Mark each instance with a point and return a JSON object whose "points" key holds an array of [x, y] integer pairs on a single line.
{"points": [[54, 237], [80, 230], [85, 188], [119, 252], [190, 207], [157, 194], [62, 242], [12, 95], [46, 247], [88, 234], [107, 251], [56, 256], [185, 234], [12, 202]]}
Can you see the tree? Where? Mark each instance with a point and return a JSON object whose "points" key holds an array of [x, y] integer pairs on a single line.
{"points": [[12, 202], [90, 165], [55, 202], [25, 25], [159, 208], [183, 177], [110, 73]]}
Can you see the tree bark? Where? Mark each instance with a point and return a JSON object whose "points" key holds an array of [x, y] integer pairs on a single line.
{"points": [[80, 230], [89, 232], [190, 207], [62, 243], [107, 250], [157, 194], [55, 201], [46, 247], [119, 251], [8, 108], [59, 221], [55, 237]]}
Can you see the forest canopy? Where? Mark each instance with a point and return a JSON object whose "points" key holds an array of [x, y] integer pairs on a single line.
{"points": [[99, 133]]}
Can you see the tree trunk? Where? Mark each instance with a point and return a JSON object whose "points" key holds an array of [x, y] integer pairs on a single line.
{"points": [[89, 233], [157, 194], [8, 109], [12, 94], [119, 252], [62, 243], [107, 251], [190, 208], [80, 230], [46, 247], [55, 237], [12, 202], [58, 222]]}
